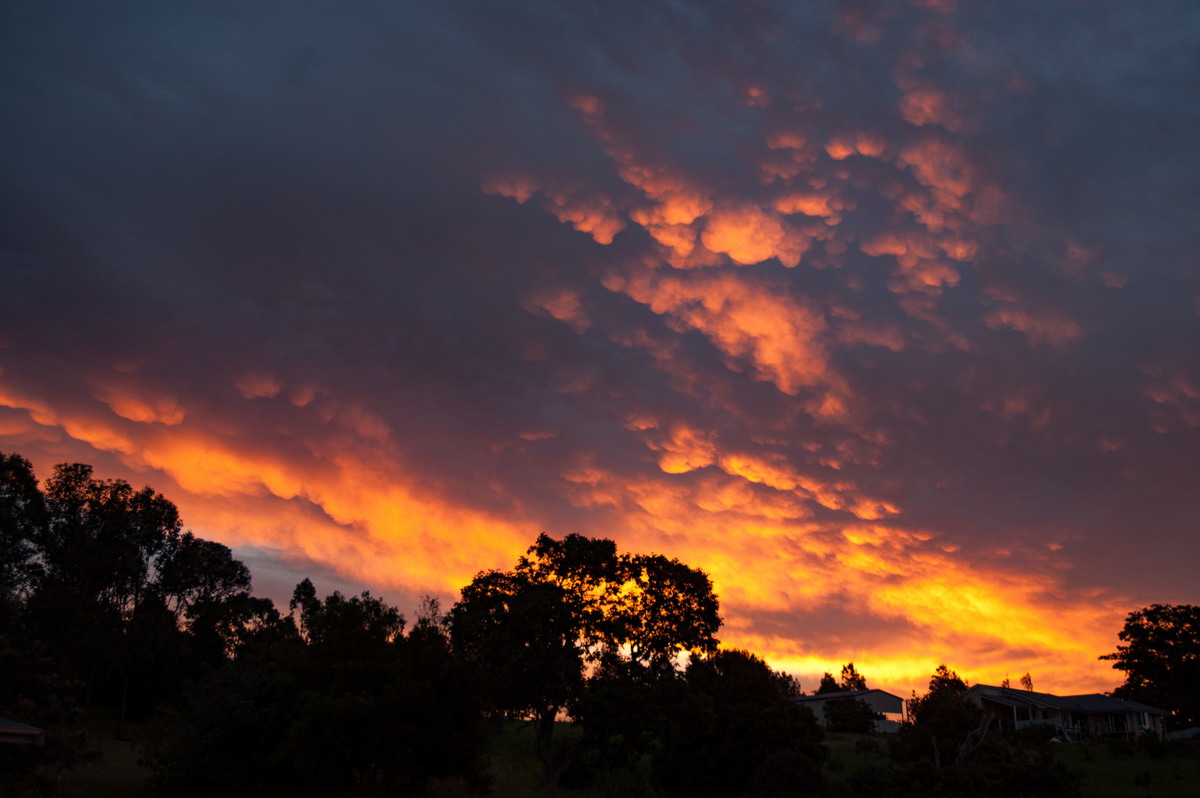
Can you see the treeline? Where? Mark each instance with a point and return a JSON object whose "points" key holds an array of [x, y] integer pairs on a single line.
{"points": [[108, 606]]}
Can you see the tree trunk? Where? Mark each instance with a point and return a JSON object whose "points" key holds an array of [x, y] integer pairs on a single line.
{"points": [[124, 703], [543, 741], [554, 763]]}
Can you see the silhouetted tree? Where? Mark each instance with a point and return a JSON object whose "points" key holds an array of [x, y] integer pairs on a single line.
{"points": [[224, 629], [22, 522], [193, 572], [346, 705], [941, 726], [828, 684], [1160, 656], [542, 632], [738, 732], [947, 748], [852, 679], [847, 713], [106, 581], [97, 553]]}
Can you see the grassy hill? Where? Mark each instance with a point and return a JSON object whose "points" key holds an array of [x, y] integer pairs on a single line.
{"points": [[113, 768]]}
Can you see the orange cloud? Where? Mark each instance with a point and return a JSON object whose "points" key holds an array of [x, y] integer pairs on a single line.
{"points": [[919, 258], [869, 144], [942, 167], [937, 606], [373, 522], [748, 522], [812, 204], [749, 235], [926, 105], [257, 385], [780, 335], [594, 214], [1042, 327], [133, 404], [686, 449], [518, 187], [562, 304]]}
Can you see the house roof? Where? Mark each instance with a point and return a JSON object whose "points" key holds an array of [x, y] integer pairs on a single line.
{"points": [[840, 694], [12, 731], [1088, 702], [860, 694]]}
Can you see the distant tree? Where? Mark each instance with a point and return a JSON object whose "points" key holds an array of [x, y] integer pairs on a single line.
{"points": [[1160, 656], [1027, 681], [828, 684], [573, 610], [790, 685], [852, 679], [849, 714]]}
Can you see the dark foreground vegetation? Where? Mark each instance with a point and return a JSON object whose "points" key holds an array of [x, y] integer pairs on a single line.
{"points": [[581, 671]]}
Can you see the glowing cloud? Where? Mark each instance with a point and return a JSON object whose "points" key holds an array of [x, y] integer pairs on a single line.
{"points": [[748, 235]]}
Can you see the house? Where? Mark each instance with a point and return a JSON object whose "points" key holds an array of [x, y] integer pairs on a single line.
{"points": [[20, 733], [886, 704], [1074, 717]]}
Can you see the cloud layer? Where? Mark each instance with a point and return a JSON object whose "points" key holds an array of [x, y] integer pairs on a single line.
{"points": [[885, 314]]}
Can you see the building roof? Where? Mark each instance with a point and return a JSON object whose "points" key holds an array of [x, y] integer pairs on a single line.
{"points": [[12, 731], [1088, 702], [860, 694]]}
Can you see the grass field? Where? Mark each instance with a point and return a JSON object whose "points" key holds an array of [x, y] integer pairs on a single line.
{"points": [[1108, 771], [114, 769], [1175, 774]]}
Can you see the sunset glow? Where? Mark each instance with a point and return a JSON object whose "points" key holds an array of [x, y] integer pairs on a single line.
{"points": [[886, 315]]}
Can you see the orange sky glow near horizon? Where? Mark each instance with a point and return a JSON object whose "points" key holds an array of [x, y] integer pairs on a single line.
{"points": [[864, 337]]}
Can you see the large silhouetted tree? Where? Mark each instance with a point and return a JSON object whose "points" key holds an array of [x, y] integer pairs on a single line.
{"points": [[573, 609], [94, 598], [1160, 655], [108, 584]]}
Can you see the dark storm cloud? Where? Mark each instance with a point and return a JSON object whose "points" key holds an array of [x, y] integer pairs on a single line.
{"points": [[417, 266]]}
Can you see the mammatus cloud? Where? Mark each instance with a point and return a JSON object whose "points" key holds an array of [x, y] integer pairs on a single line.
{"points": [[884, 314]]}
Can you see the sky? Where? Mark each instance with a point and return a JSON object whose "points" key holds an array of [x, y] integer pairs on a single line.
{"points": [[885, 314]]}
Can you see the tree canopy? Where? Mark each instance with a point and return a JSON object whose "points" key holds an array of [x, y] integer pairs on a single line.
{"points": [[1160, 655], [571, 610]]}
